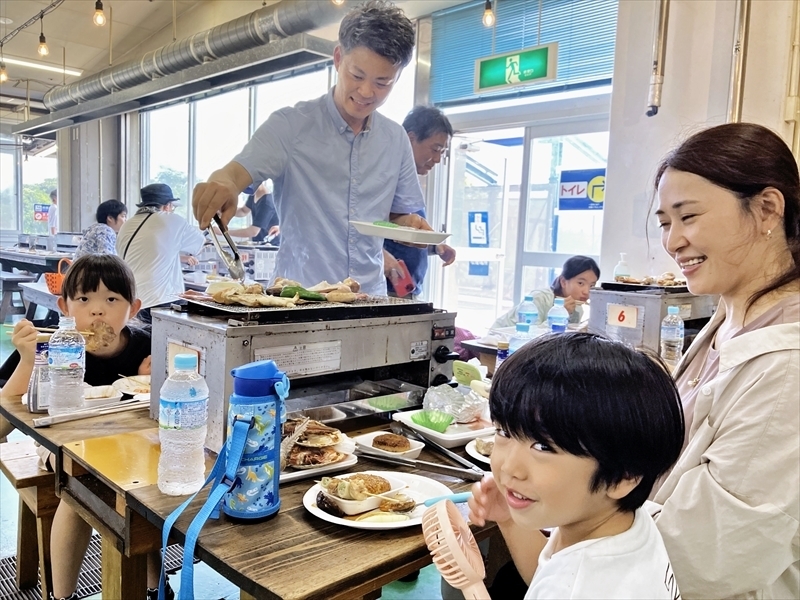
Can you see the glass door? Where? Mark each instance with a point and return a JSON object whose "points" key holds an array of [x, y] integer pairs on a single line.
{"points": [[485, 171]]}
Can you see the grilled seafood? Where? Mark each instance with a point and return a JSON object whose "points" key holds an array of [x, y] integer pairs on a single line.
{"points": [[355, 487], [316, 435], [288, 442], [103, 336], [484, 446], [310, 458]]}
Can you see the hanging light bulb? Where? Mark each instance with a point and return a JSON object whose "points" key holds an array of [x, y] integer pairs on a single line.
{"points": [[3, 74], [99, 17], [338, 2], [43, 50], [488, 14]]}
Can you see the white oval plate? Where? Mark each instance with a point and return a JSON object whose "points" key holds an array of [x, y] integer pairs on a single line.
{"points": [[136, 384], [419, 488], [342, 465], [400, 234], [473, 452]]}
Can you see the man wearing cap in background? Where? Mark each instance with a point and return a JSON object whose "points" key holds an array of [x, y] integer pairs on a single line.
{"points": [[151, 242]]}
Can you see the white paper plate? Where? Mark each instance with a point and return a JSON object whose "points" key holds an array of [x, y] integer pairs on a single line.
{"points": [[419, 488], [400, 234], [365, 441], [472, 450], [136, 384], [457, 434], [342, 465]]}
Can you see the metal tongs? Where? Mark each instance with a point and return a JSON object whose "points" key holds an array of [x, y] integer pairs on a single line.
{"points": [[231, 259]]}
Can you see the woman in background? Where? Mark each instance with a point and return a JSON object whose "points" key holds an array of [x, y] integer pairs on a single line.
{"points": [[729, 210], [101, 238], [578, 275]]}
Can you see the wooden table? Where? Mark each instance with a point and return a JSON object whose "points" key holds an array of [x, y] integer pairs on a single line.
{"points": [[293, 555], [126, 537], [33, 262], [37, 294]]}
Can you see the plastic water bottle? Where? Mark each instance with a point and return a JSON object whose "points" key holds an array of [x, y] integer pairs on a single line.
{"points": [[558, 317], [527, 312], [521, 337], [672, 337], [66, 360], [502, 354], [182, 417], [39, 385]]}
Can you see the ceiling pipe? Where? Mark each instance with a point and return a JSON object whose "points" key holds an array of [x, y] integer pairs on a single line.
{"points": [[659, 58], [736, 92], [280, 20]]}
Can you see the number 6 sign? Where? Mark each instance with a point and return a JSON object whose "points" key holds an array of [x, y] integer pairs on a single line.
{"points": [[621, 315]]}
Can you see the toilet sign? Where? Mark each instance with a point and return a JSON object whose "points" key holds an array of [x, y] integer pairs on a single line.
{"points": [[583, 189]]}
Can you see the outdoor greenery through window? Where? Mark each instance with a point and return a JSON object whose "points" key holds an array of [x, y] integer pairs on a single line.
{"points": [[39, 178]]}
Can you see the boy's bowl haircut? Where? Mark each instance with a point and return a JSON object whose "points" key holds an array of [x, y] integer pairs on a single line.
{"points": [[593, 397]]}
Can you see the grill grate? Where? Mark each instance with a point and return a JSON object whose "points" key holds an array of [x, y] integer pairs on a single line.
{"points": [[370, 302], [89, 579]]}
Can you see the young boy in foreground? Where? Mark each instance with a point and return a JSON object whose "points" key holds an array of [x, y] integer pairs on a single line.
{"points": [[585, 426]]}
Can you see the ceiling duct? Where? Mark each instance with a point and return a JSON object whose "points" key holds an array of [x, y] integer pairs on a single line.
{"points": [[279, 20], [270, 33]]}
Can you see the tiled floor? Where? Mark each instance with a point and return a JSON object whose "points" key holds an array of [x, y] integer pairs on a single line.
{"points": [[208, 584]]}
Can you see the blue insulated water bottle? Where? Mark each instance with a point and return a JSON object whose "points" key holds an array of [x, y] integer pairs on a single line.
{"points": [[259, 390]]}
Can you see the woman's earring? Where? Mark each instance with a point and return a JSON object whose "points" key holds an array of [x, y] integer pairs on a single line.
{"points": [[769, 233]]}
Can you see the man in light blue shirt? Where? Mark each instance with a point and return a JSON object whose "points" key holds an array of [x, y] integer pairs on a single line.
{"points": [[334, 160]]}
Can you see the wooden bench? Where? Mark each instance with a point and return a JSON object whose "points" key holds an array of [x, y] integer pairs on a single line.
{"points": [[37, 506], [10, 285]]}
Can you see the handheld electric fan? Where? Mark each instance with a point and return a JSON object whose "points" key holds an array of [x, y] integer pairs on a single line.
{"points": [[454, 550]]}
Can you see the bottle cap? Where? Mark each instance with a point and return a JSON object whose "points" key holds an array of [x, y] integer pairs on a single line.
{"points": [[185, 362], [623, 256], [673, 310], [502, 345], [256, 379], [524, 327], [528, 299], [558, 302], [66, 321]]}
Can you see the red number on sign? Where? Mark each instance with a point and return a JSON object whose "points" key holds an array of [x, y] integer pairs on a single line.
{"points": [[621, 316]]}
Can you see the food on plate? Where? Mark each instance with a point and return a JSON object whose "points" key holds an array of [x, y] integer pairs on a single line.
{"points": [[102, 336], [379, 516], [433, 419], [327, 505], [666, 279], [484, 446], [99, 391], [308, 458], [391, 442], [316, 435], [400, 503], [289, 438], [355, 487]]}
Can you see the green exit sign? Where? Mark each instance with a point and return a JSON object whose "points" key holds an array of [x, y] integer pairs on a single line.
{"points": [[512, 69]]}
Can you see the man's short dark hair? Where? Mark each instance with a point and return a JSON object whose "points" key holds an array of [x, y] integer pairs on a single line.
{"points": [[53, 193], [381, 27], [110, 208], [426, 121], [593, 397]]}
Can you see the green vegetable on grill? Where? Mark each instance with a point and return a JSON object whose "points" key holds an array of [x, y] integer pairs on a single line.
{"points": [[292, 291]]}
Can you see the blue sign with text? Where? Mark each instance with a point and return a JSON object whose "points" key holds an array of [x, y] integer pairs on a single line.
{"points": [[583, 189]]}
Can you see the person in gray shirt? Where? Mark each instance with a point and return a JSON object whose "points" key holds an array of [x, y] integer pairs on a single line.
{"points": [[334, 160]]}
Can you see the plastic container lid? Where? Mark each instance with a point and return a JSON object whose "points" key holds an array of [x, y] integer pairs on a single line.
{"points": [[185, 362], [523, 327], [256, 379], [673, 310]]}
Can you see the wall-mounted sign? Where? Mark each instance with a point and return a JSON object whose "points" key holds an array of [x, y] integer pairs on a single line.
{"points": [[40, 212], [512, 69], [582, 190], [478, 229]]}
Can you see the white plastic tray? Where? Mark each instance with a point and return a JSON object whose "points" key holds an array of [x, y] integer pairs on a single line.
{"points": [[294, 475], [456, 434], [365, 441], [400, 234]]}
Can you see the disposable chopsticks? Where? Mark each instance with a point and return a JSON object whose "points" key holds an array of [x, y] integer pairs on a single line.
{"points": [[86, 413], [47, 330]]}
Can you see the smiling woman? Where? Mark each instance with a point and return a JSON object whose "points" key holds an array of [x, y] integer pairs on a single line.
{"points": [[729, 209]]}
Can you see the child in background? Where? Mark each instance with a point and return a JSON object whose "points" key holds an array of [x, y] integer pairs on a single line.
{"points": [[98, 288], [585, 426]]}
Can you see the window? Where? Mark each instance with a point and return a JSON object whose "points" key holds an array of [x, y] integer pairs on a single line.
{"points": [[9, 204], [167, 155], [39, 178], [288, 92]]}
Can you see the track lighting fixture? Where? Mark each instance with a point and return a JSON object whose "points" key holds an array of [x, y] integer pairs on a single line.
{"points": [[488, 14], [99, 17], [43, 50]]}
